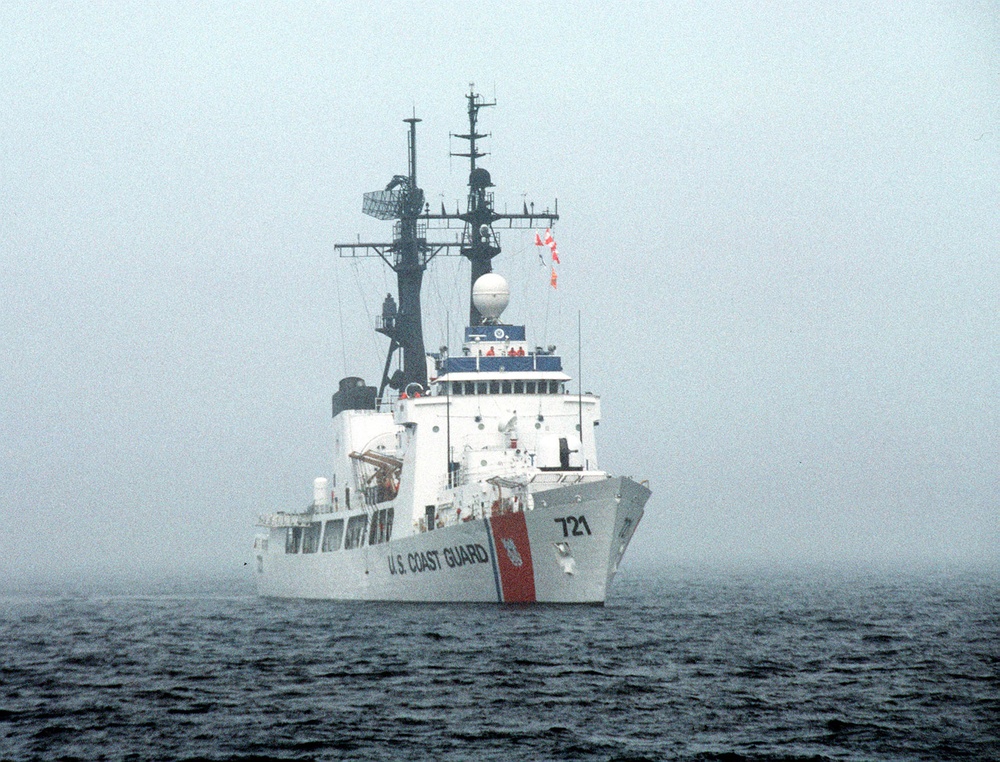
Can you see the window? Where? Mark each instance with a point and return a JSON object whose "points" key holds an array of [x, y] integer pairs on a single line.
{"points": [[506, 387], [456, 387], [310, 537], [388, 523], [332, 535], [293, 539], [553, 387], [481, 387], [519, 387], [355, 536], [531, 387], [494, 387], [381, 526], [470, 387]]}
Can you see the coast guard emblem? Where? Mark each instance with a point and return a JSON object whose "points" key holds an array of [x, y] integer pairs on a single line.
{"points": [[512, 554]]}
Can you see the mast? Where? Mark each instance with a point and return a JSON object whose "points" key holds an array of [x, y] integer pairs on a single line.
{"points": [[407, 255], [480, 243], [408, 329], [409, 252]]}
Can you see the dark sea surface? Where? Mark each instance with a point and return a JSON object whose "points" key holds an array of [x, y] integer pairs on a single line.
{"points": [[680, 665]]}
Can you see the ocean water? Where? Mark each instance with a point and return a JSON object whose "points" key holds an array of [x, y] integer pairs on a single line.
{"points": [[680, 665]]}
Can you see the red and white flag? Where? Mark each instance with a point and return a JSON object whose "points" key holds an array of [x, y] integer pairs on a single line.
{"points": [[548, 240]]}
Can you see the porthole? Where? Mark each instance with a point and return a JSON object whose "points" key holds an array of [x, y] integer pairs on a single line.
{"points": [[436, 429], [482, 426]]}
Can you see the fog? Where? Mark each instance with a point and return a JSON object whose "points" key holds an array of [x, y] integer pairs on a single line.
{"points": [[779, 223]]}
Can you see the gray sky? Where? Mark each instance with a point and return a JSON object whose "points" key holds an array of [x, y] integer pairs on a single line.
{"points": [[780, 222]]}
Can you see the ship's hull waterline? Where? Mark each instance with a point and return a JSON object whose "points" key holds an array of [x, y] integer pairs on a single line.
{"points": [[565, 550]]}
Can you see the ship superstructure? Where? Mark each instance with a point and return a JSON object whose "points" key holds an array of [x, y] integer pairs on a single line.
{"points": [[465, 476]]}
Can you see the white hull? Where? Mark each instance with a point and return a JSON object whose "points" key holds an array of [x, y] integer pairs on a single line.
{"points": [[565, 550]]}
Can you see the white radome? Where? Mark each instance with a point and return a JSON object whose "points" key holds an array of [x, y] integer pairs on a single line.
{"points": [[490, 295]]}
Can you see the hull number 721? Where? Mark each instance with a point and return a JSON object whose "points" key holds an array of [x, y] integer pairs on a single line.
{"points": [[574, 525]]}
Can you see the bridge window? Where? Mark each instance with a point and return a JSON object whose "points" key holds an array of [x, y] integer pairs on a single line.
{"points": [[293, 539]]}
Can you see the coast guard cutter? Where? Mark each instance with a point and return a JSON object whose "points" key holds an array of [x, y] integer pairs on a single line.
{"points": [[465, 476]]}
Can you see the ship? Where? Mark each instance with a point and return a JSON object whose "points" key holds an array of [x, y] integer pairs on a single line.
{"points": [[468, 475]]}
